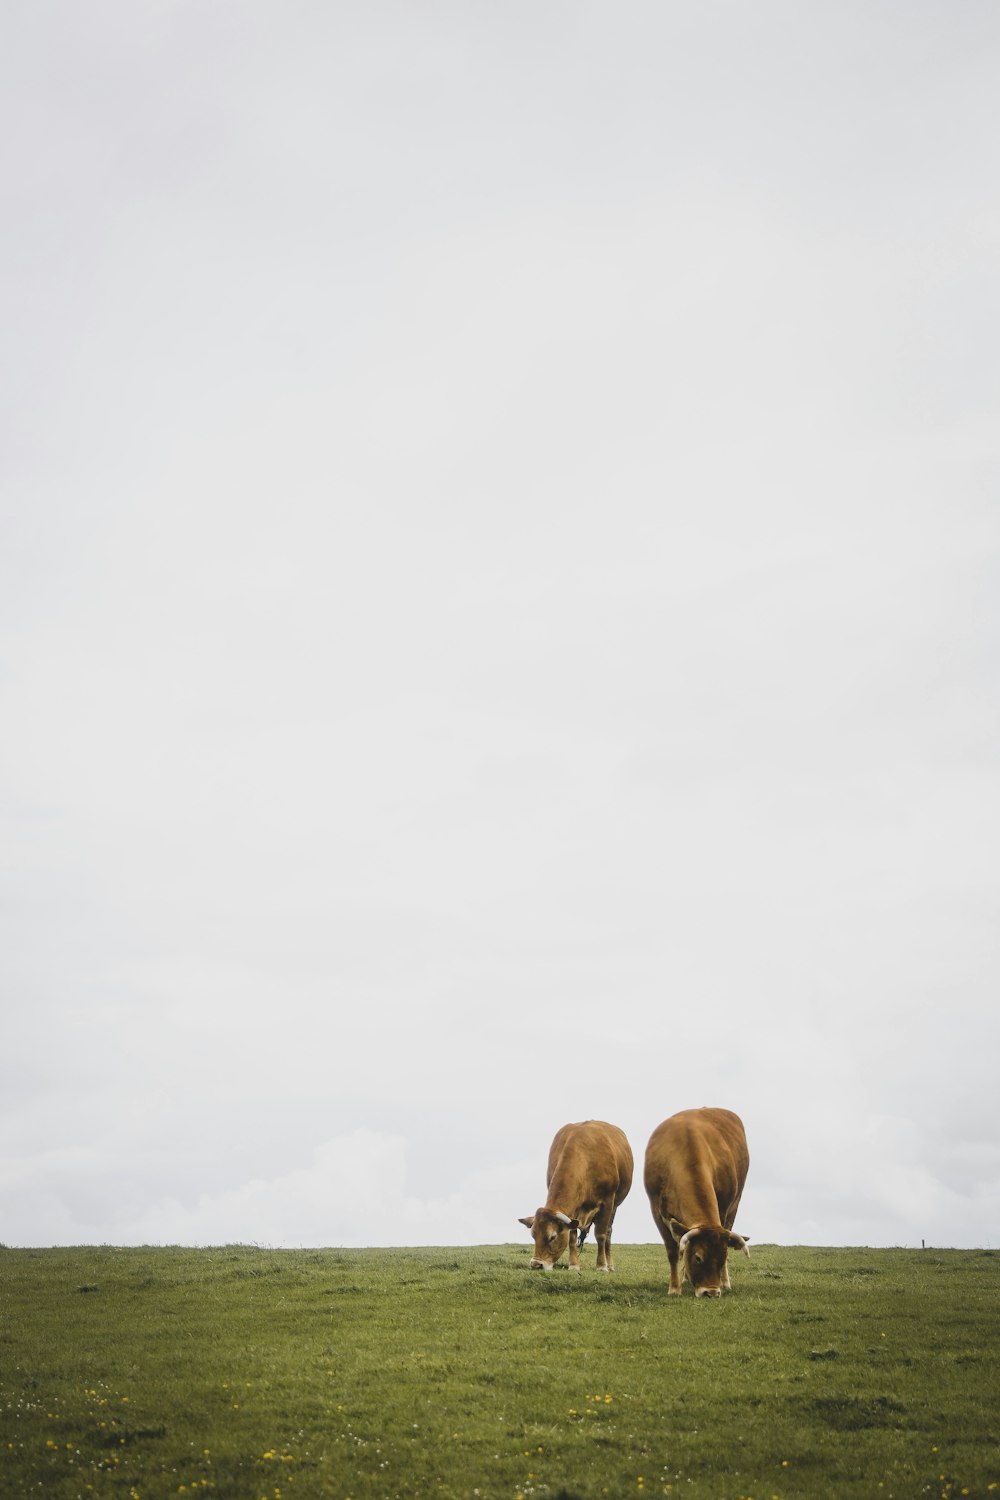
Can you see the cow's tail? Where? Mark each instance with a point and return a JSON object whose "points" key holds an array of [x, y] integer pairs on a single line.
{"points": [[581, 1235]]}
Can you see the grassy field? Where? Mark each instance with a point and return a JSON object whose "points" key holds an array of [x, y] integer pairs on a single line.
{"points": [[283, 1375]]}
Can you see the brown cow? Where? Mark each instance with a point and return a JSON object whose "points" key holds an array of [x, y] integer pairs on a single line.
{"points": [[696, 1165], [589, 1174]]}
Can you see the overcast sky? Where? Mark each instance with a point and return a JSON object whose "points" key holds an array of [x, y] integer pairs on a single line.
{"points": [[499, 611]]}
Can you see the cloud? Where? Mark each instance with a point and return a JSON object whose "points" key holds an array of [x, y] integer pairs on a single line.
{"points": [[353, 1191], [345, 1195], [850, 1179], [876, 1181]]}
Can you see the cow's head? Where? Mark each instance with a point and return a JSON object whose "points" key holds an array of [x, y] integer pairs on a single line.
{"points": [[550, 1231], [704, 1250]]}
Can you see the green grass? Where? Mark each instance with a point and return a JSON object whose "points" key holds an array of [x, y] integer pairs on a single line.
{"points": [[250, 1373]]}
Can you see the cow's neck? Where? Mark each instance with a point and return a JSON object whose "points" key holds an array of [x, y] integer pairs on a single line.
{"points": [[568, 1191], [696, 1205]]}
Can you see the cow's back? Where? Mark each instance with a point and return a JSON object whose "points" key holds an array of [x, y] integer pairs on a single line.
{"points": [[595, 1149], [696, 1165]]}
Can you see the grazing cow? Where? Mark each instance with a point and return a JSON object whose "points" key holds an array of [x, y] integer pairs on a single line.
{"points": [[696, 1165], [589, 1174]]}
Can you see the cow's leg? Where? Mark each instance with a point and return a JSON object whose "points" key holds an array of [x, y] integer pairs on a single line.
{"points": [[728, 1220], [674, 1289], [574, 1252], [602, 1234]]}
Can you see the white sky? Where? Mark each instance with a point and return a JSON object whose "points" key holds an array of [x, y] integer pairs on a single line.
{"points": [[498, 611]]}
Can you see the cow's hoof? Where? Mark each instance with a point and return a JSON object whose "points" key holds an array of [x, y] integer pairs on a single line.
{"points": [[673, 1291], [604, 1268], [577, 1269]]}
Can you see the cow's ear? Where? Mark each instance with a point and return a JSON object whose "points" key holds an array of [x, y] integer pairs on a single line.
{"points": [[574, 1223], [677, 1229], [528, 1223]]}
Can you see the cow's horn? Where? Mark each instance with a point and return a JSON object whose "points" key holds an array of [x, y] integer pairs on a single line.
{"points": [[683, 1243], [563, 1218]]}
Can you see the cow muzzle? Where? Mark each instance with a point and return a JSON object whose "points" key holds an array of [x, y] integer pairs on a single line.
{"points": [[541, 1265], [708, 1291]]}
